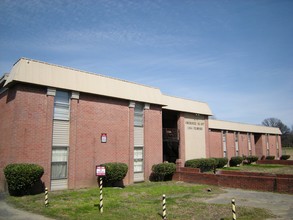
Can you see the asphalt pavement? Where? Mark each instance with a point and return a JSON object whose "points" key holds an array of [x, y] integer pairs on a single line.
{"points": [[280, 205]]}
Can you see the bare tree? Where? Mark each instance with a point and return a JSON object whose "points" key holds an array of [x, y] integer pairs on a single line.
{"points": [[287, 135], [274, 122]]}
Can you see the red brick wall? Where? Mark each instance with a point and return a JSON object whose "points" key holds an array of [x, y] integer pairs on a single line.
{"points": [[265, 183], [230, 144], [181, 127], [252, 144], [273, 145], [260, 148], [26, 133], [26, 128], [153, 149], [207, 139], [92, 115], [216, 148], [281, 162], [243, 144]]}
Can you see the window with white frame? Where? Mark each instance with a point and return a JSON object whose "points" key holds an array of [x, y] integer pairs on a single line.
{"points": [[61, 105], [138, 159], [224, 142], [138, 114], [236, 135], [249, 143], [59, 163], [60, 135]]}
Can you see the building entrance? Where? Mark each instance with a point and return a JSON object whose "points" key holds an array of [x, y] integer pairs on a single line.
{"points": [[170, 136]]}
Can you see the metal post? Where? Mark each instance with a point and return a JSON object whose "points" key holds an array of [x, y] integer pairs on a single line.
{"points": [[233, 209], [101, 194], [46, 197], [164, 207]]}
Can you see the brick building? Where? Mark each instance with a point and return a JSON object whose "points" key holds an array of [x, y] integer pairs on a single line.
{"points": [[69, 121]]}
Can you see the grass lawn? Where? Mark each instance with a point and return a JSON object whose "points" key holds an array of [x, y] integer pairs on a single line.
{"points": [[264, 168], [137, 201]]}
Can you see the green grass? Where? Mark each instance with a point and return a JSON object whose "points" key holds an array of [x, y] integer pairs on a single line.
{"points": [[263, 168], [138, 201]]}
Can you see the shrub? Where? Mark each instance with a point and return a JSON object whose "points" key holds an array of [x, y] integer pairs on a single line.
{"points": [[270, 157], [284, 157], [115, 173], [22, 177], [163, 171], [221, 162], [251, 159], [204, 164], [234, 161]]}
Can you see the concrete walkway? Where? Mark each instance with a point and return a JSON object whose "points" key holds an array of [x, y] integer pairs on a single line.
{"points": [[280, 205], [9, 213]]}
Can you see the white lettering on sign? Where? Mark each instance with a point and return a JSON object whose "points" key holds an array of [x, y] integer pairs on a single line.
{"points": [[100, 171]]}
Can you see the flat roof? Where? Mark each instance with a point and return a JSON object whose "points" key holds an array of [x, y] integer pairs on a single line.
{"points": [[186, 105], [45, 74], [241, 127]]}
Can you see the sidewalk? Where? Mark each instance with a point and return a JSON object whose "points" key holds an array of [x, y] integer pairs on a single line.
{"points": [[9, 213]]}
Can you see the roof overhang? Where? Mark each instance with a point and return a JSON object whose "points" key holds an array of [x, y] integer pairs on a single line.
{"points": [[40, 73], [241, 127], [185, 105]]}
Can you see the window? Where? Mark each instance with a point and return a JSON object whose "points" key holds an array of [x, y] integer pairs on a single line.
{"points": [[60, 137], [249, 143], [59, 163], [61, 105], [236, 134], [224, 143], [138, 159], [138, 114]]}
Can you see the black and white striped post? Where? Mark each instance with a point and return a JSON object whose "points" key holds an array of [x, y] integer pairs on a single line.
{"points": [[101, 194], [100, 172], [46, 197], [233, 209], [164, 216]]}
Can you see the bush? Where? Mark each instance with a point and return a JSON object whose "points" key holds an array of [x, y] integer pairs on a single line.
{"points": [[115, 173], [270, 157], [204, 164], [234, 161], [284, 157], [163, 171], [221, 162], [251, 159], [22, 177]]}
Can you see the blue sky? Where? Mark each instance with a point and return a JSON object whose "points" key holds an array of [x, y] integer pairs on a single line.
{"points": [[236, 55]]}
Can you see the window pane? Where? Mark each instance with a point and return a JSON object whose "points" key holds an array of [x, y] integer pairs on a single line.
{"points": [[59, 170], [138, 166], [138, 114], [59, 155], [61, 106], [62, 97], [138, 153]]}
